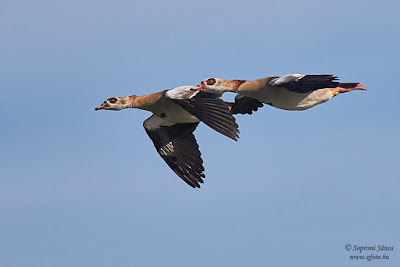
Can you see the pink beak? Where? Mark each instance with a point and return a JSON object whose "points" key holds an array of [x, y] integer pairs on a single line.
{"points": [[102, 106], [201, 86]]}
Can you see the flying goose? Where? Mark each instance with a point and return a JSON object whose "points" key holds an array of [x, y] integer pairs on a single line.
{"points": [[176, 114], [288, 92]]}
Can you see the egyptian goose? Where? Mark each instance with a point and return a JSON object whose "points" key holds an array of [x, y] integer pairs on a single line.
{"points": [[289, 92], [176, 114]]}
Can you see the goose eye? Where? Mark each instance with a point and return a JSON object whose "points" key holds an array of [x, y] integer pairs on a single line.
{"points": [[210, 81], [113, 100]]}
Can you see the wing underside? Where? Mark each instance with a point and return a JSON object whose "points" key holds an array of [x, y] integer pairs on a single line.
{"points": [[177, 146]]}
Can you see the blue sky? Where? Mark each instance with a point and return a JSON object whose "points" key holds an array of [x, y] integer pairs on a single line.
{"points": [[86, 188]]}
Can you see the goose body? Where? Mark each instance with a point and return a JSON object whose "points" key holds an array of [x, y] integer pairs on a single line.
{"points": [[288, 92], [176, 114], [283, 98]]}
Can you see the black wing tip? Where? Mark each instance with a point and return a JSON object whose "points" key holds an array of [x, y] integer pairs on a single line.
{"points": [[193, 181], [193, 185], [234, 138], [246, 105], [333, 77], [231, 132]]}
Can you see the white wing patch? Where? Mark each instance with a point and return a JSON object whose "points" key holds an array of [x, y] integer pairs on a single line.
{"points": [[286, 78], [194, 94], [155, 122], [297, 75], [273, 81], [181, 92]]}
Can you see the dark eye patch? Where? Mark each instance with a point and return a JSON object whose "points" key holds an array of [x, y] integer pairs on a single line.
{"points": [[211, 81], [112, 100]]}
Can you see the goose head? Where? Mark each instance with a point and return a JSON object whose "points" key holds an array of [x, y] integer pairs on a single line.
{"points": [[118, 103], [214, 85]]}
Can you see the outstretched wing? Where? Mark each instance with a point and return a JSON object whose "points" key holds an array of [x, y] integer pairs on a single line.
{"points": [[300, 83], [177, 146], [211, 110], [245, 105]]}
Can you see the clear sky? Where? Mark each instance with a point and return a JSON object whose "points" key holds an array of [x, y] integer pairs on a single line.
{"points": [[86, 188]]}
